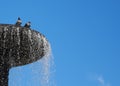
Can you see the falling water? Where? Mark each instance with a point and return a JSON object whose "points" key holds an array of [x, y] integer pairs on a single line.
{"points": [[39, 73], [20, 46], [47, 71]]}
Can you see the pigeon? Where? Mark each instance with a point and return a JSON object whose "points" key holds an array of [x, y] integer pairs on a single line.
{"points": [[27, 25], [19, 22]]}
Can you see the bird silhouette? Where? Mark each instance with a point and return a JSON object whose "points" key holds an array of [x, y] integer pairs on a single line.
{"points": [[28, 24], [19, 22]]}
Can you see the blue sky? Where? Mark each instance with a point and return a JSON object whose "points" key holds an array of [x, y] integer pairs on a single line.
{"points": [[84, 35]]}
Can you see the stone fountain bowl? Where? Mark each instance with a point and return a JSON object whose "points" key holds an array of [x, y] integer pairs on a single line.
{"points": [[20, 45]]}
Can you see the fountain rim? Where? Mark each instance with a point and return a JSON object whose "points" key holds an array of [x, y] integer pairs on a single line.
{"points": [[1, 24], [13, 25]]}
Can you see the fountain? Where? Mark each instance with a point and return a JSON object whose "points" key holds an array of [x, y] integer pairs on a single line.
{"points": [[19, 46]]}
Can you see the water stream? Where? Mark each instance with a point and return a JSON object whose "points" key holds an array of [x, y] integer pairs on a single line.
{"points": [[27, 54], [40, 73]]}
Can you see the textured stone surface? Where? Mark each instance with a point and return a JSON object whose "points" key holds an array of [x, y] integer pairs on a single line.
{"points": [[19, 46]]}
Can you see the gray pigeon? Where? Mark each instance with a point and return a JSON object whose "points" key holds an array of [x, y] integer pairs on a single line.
{"points": [[27, 25], [19, 22]]}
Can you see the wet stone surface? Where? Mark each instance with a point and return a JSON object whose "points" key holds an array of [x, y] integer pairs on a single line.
{"points": [[19, 46]]}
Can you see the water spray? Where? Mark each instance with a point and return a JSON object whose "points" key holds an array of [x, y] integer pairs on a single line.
{"points": [[19, 46]]}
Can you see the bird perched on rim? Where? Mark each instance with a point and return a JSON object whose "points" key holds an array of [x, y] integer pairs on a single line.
{"points": [[28, 24], [19, 22]]}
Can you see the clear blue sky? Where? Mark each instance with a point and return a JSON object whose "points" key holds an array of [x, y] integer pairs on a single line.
{"points": [[84, 35]]}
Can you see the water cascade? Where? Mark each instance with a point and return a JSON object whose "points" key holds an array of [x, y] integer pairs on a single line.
{"points": [[19, 46]]}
